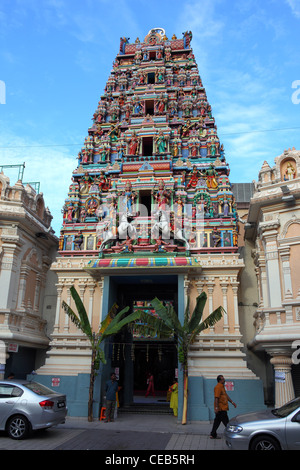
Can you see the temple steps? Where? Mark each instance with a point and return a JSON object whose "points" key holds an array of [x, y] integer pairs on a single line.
{"points": [[151, 408]]}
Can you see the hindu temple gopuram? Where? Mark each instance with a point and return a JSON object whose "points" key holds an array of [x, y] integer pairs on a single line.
{"points": [[150, 212]]}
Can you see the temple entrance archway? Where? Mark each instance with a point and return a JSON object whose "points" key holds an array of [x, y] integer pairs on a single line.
{"points": [[134, 356]]}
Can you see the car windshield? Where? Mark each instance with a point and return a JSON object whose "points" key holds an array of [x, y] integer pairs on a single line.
{"points": [[39, 389], [286, 409]]}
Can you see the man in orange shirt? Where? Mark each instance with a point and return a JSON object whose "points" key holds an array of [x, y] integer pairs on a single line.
{"points": [[221, 406]]}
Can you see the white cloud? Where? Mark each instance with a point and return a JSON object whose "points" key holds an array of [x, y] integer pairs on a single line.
{"points": [[295, 7]]}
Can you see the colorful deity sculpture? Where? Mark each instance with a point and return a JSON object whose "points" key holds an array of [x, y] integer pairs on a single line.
{"points": [[162, 196]]}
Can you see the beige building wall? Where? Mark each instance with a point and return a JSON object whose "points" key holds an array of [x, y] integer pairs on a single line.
{"points": [[27, 248], [273, 229], [218, 350]]}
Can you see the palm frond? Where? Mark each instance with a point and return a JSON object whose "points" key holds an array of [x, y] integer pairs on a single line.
{"points": [[167, 314], [108, 319], [72, 315], [198, 312], [210, 321], [151, 326], [82, 313], [117, 324], [118, 317]]}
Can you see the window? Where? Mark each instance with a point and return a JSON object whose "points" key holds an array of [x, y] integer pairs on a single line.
{"points": [[8, 391], [147, 146], [39, 389], [151, 77], [145, 203], [149, 107]]}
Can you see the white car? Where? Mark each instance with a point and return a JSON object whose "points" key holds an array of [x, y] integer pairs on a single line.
{"points": [[27, 406], [277, 429]]}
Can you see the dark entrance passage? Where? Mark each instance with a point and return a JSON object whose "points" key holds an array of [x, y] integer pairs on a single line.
{"points": [[135, 357], [158, 359]]}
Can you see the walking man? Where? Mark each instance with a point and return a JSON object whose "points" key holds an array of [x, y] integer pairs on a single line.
{"points": [[221, 406], [111, 397]]}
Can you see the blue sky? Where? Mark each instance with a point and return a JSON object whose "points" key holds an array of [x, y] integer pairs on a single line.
{"points": [[56, 56]]}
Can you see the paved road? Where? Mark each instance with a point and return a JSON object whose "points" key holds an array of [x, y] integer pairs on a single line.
{"points": [[127, 433]]}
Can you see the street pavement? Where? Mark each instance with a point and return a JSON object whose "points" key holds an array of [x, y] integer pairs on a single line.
{"points": [[129, 432]]}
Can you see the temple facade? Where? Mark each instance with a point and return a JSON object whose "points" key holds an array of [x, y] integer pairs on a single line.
{"points": [[27, 248], [272, 229], [151, 212]]}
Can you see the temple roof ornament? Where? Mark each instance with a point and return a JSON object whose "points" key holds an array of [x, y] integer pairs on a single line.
{"points": [[156, 34]]}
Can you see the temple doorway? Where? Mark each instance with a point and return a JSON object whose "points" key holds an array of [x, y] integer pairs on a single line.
{"points": [[134, 356], [156, 359]]}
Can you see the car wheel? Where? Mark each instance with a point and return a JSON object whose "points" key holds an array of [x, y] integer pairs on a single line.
{"points": [[18, 427], [264, 443]]}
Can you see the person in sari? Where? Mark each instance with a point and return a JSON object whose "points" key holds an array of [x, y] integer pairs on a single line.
{"points": [[174, 397]]}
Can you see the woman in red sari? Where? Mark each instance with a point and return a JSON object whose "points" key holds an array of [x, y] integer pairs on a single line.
{"points": [[150, 382]]}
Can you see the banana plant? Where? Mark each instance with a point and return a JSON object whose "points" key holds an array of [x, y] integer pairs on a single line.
{"points": [[166, 324], [110, 326]]}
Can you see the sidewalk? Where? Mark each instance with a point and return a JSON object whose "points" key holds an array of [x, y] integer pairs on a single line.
{"points": [[191, 436], [135, 432]]}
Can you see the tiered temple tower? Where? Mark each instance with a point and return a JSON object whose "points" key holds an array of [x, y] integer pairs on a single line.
{"points": [[153, 145], [151, 212]]}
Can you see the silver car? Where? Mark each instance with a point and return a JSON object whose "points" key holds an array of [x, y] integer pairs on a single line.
{"points": [[277, 429], [27, 406]]}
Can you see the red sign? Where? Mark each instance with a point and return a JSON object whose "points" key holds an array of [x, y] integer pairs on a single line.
{"points": [[55, 381], [229, 386]]}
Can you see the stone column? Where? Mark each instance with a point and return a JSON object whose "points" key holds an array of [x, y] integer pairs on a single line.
{"points": [[210, 290], [91, 287], [37, 294], [224, 287], [186, 286], [67, 322], [284, 389], [100, 284], [22, 286], [58, 306], [235, 286]]}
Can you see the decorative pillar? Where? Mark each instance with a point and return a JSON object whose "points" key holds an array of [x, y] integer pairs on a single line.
{"points": [[22, 286], [81, 291], [37, 293], [66, 325], [235, 286], [100, 284], [284, 389], [224, 287], [199, 286], [58, 305], [210, 289], [91, 301]]}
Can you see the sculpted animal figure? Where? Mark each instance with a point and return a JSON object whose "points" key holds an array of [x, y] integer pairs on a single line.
{"points": [[161, 228], [125, 229]]}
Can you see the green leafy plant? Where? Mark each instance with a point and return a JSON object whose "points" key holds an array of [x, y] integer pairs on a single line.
{"points": [[110, 326]]}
